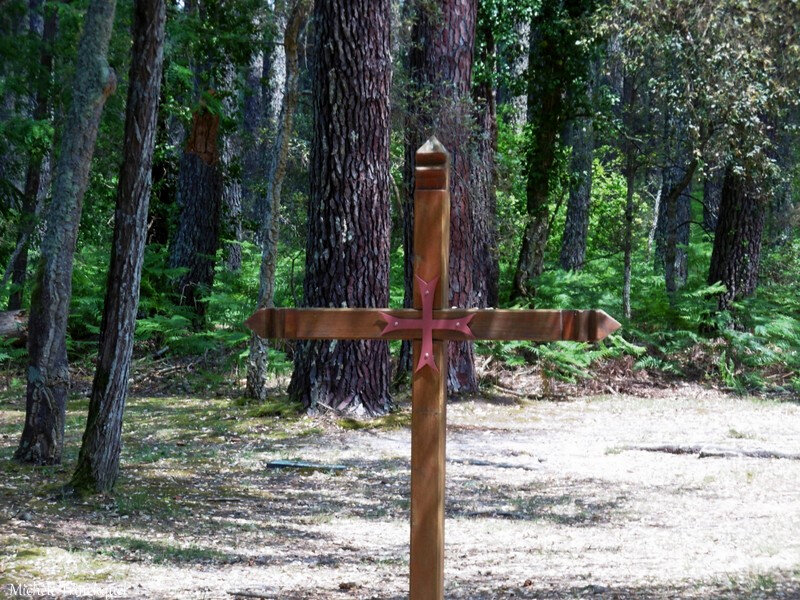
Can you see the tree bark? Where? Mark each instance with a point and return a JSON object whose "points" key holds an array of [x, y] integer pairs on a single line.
{"points": [[576, 226], [440, 65], [98, 460], [546, 89], [231, 214], [32, 193], [712, 194], [266, 85], [48, 369], [737, 240], [629, 150], [673, 227], [276, 169], [164, 178], [347, 250], [196, 240], [486, 275]]}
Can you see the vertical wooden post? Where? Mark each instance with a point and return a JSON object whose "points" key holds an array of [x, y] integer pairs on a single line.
{"points": [[429, 392]]}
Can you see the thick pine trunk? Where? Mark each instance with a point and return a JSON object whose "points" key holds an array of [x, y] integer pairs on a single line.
{"points": [[98, 461], [48, 370], [32, 193], [440, 60], [347, 251], [576, 226], [276, 169], [194, 246], [737, 241]]}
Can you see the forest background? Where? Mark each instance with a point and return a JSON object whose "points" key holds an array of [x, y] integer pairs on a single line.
{"points": [[638, 157]]}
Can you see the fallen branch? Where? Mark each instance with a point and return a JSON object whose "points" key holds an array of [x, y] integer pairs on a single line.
{"points": [[489, 463], [716, 452]]}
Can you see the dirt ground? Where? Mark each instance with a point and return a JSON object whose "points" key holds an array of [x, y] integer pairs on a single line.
{"points": [[544, 500]]}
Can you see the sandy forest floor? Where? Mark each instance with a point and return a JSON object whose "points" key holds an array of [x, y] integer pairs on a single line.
{"points": [[544, 501]]}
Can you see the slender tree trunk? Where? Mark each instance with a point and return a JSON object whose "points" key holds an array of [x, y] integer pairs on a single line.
{"points": [[194, 246], [267, 82], [164, 177], [576, 226], [415, 122], [347, 251], [48, 370], [672, 231], [32, 196], [654, 188], [673, 226], [276, 169], [98, 461], [441, 71], [712, 194], [629, 149], [737, 241], [484, 180], [546, 118], [231, 215]]}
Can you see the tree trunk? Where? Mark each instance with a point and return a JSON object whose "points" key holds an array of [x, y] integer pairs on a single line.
{"points": [[629, 149], [266, 84], [164, 178], [673, 226], [441, 71], [483, 199], [48, 370], [98, 461], [196, 240], [276, 169], [546, 88], [672, 230], [231, 215], [347, 251], [737, 241], [576, 226], [32, 194], [712, 194]]}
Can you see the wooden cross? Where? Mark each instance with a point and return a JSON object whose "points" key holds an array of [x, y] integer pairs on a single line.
{"points": [[430, 324]]}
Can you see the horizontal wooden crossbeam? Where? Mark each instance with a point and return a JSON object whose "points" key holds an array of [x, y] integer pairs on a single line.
{"points": [[366, 323]]}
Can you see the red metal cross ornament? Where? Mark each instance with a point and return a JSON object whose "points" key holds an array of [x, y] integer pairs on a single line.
{"points": [[427, 323]]}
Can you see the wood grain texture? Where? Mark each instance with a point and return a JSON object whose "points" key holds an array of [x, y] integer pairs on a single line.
{"points": [[429, 387], [366, 323]]}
